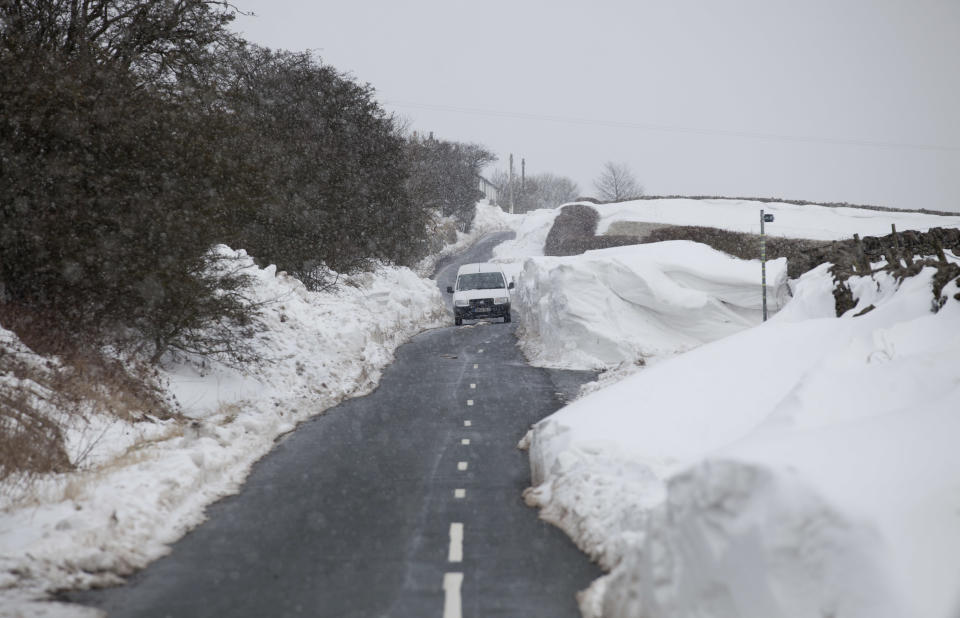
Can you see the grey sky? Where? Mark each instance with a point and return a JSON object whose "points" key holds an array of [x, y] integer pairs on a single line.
{"points": [[845, 100]]}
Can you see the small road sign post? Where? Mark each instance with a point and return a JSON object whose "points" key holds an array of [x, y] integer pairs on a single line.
{"points": [[763, 260]]}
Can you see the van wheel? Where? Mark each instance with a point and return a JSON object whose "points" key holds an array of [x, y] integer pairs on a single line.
{"points": [[506, 319], [458, 321]]}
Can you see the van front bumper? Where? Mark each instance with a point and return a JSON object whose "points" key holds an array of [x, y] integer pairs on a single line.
{"points": [[482, 310]]}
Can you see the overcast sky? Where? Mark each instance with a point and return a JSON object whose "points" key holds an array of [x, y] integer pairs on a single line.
{"points": [[825, 100]]}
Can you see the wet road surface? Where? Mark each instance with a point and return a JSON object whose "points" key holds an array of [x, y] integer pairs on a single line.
{"points": [[403, 503]]}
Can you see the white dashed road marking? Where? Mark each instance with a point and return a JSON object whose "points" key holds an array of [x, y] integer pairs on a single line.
{"points": [[456, 543], [467, 423], [461, 465], [469, 402], [459, 493], [465, 441], [475, 366], [473, 386], [451, 595]]}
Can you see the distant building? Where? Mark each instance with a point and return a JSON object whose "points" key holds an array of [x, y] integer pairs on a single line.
{"points": [[489, 190]]}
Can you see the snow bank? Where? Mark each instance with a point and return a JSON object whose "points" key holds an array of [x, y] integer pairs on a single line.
{"points": [[143, 485], [792, 220], [631, 303], [806, 467]]}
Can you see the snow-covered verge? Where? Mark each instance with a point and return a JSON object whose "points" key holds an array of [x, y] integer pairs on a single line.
{"points": [[142, 485], [630, 304], [792, 220], [805, 467]]}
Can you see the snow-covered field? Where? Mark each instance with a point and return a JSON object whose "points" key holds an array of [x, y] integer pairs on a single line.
{"points": [[803, 467], [143, 485], [792, 220]]}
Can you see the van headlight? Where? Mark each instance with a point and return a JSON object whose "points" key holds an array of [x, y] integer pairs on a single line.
{"points": [[501, 300], [461, 303]]}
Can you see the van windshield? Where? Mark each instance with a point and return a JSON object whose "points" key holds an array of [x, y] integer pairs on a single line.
{"points": [[480, 281]]}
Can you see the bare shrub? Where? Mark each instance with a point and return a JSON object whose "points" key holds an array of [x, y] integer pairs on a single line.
{"points": [[41, 394], [30, 443]]}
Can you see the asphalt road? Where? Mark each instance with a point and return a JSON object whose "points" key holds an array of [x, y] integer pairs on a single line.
{"points": [[403, 503]]}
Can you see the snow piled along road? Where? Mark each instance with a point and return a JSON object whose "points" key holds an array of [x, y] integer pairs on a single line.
{"points": [[803, 467], [632, 303], [143, 485]]}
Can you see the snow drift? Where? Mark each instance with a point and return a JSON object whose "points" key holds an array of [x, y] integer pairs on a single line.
{"points": [[806, 467], [628, 304]]}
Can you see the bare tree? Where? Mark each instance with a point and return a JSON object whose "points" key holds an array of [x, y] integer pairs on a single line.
{"points": [[617, 183], [543, 190], [551, 190]]}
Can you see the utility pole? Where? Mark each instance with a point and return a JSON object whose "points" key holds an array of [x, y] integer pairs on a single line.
{"points": [[763, 259], [523, 183], [511, 183]]}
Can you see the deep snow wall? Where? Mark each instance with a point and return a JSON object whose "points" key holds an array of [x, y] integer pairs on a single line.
{"points": [[632, 304], [806, 467]]}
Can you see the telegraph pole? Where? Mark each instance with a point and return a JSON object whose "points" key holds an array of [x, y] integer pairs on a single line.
{"points": [[511, 183], [523, 183]]}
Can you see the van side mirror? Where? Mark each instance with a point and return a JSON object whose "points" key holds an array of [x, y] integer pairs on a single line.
{"points": [[511, 286], [449, 289]]}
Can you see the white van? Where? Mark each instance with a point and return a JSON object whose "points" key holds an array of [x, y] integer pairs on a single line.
{"points": [[481, 292]]}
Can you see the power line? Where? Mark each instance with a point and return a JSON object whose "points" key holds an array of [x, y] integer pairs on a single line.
{"points": [[673, 129]]}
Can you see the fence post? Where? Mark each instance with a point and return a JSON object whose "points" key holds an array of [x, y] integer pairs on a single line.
{"points": [[903, 252], [863, 263]]}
